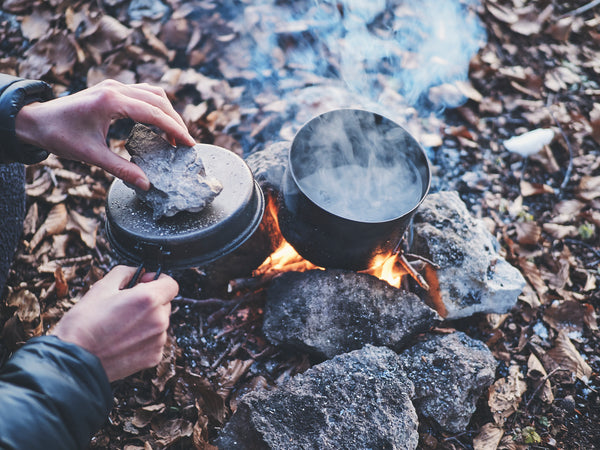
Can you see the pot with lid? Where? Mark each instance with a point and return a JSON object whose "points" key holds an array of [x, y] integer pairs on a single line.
{"points": [[353, 182], [187, 239]]}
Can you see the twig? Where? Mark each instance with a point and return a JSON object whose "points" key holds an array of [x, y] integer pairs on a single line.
{"points": [[542, 383], [565, 137], [422, 258], [412, 272], [205, 302], [581, 9]]}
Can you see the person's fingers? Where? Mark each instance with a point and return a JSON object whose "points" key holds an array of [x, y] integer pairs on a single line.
{"points": [[119, 167], [162, 289], [156, 96], [119, 276], [145, 106]]}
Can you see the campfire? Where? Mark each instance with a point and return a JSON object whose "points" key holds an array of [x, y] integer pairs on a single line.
{"points": [[285, 258]]}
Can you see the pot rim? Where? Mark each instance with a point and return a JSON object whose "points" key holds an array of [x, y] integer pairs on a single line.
{"points": [[188, 239], [427, 165]]}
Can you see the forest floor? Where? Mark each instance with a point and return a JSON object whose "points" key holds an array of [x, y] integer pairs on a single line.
{"points": [[539, 68]]}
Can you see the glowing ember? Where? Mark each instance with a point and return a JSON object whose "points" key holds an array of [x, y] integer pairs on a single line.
{"points": [[286, 259]]}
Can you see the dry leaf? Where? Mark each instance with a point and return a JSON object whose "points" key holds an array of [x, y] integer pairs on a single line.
{"points": [[40, 185], [536, 372], [566, 356], [230, 375], [54, 54], [560, 231], [533, 275], [171, 431], [505, 395], [62, 287], [55, 223], [488, 438], [595, 122], [166, 368], [528, 189], [31, 220], [87, 227], [589, 188], [37, 24], [528, 233]]}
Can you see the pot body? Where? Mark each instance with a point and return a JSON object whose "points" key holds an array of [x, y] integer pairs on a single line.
{"points": [[372, 221]]}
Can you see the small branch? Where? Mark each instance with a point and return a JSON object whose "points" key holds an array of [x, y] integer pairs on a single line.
{"points": [[581, 9], [422, 258], [206, 302], [542, 383], [565, 137], [412, 272]]}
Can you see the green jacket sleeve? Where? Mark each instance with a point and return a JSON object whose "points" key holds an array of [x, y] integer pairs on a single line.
{"points": [[15, 93], [53, 395]]}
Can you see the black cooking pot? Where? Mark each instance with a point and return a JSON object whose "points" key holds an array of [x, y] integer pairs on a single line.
{"points": [[187, 239], [353, 182]]}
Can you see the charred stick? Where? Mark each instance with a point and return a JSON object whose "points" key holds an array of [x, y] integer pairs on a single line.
{"points": [[412, 272], [422, 258]]}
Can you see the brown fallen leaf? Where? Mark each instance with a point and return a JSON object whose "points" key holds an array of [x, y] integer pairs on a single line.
{"points": [[589, 188], [87, 227], [560, 231], [30, 222], [488, 438], [61, 285], [39, 185], [55, 223], [537, 373], [528, 189], [567, 357], [54, 54], [169, 432], [528, 233], [166, 368], [505, 395]]}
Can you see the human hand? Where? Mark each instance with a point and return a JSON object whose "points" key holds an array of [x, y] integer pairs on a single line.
{"points": [[75, 126], [125, 328]]}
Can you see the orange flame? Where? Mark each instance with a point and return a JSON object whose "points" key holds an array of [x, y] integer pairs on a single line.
{"points": [[286, 259]]}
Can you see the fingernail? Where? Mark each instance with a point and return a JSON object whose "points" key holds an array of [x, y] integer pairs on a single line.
{"points": [[143, 183]]}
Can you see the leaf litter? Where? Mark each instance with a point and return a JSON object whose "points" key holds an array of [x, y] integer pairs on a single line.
{"points": [[538, 70]]}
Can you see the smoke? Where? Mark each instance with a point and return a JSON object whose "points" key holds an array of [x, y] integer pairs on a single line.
{"points": [[310, 56]]}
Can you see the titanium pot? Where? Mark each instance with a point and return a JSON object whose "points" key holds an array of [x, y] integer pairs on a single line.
{"points": [[187, 239], [353, 182]]}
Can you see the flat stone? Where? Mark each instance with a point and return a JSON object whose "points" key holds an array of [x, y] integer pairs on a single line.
{"points": [[450, 372], [357, 400], [178, 180], [329, 312], [473, 277]]}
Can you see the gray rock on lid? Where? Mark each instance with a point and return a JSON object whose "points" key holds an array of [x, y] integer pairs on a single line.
{"points": [[177, 175]]}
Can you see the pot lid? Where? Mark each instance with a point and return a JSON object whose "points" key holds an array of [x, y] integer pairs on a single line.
{"points": [[187, 239]]}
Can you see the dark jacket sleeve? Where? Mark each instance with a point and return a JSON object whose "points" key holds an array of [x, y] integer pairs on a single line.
{"points": [[14, 94], [53, 395]]}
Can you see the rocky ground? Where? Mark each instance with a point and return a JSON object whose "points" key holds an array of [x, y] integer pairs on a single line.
{"points": [[536, 67]]}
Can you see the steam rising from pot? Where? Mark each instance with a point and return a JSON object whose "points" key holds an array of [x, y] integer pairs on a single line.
{"points": [[307, 57]]}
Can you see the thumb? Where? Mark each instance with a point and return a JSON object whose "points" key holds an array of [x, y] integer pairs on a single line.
{"points": [[123, 169]]}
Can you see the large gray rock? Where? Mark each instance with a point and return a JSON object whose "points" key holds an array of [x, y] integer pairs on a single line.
{"points": [[177, 175], [357, 400], [473, 277], [268, 165], [328, 312], [450, 372]]}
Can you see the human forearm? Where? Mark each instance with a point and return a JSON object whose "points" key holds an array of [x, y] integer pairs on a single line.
{"points": [[53, 395]]}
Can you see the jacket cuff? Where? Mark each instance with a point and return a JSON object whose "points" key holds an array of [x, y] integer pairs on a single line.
{"points": [[16, 93]]}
